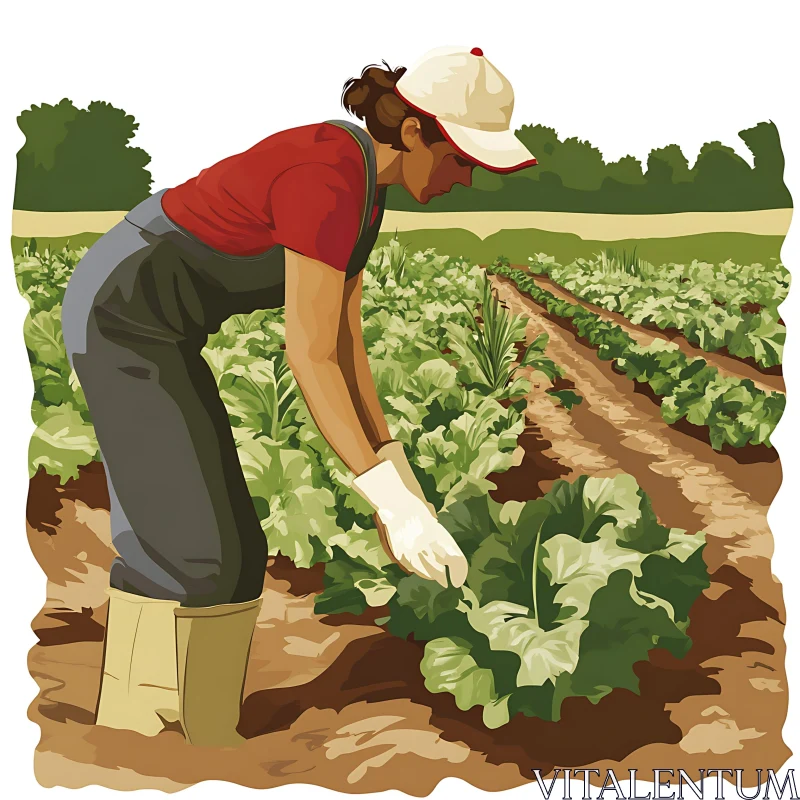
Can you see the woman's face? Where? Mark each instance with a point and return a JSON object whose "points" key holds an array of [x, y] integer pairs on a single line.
{"points": [[429, 171]]}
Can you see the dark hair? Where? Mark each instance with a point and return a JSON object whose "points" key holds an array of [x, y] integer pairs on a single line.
{"points": [[372, 98]]}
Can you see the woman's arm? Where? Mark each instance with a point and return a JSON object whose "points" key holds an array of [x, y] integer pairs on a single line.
{"points": [[315, 301], [354, 363]]}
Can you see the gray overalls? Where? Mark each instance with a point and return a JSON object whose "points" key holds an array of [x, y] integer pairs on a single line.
{"points": [[137, 311]]}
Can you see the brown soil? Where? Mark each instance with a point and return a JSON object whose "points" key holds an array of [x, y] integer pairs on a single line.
{"points": [[338, 702]]}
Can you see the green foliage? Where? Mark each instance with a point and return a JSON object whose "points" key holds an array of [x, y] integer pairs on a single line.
{"points": [[42, 278], [564, 596], [578, 164], [45, 128], [561, 599], [571, 175], [613, 262], [628, 170], [294, 501], [392, 263], [719, 174], [62, 441], [490, 346], [79, 159], [667, 165], [566, 397]]}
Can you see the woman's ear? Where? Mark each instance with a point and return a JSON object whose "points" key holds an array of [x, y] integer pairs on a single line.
{"points": [[410, 133]]}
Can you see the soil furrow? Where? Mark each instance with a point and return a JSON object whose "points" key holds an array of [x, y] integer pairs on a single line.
{"points": [[737, 625], [728, 365], [615, 429]]}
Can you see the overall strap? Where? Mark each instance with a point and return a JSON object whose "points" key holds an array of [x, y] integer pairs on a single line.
{"points": [[368, 151]]}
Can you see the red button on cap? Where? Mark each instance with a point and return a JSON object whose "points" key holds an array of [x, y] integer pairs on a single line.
{"points": [[476, 51]]}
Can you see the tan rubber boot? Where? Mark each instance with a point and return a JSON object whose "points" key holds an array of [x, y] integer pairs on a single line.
{"points": [[213, 649], [139, 690]]}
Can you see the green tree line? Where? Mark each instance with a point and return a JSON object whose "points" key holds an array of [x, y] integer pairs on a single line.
{"points": [[571, 175], [78, 159], [81, 160]]}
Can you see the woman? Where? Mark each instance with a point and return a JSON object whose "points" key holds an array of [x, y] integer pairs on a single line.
{"points": [[291, 223]]}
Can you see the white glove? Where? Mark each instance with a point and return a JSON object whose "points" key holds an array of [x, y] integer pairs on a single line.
{"points": [[416, 540], [395, 452]]}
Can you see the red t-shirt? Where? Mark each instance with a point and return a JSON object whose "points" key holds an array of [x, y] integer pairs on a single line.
{"points": [[302, 188]]}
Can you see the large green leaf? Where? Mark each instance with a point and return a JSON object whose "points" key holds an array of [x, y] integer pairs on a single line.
{"points": [[61, 443], [501, 567], [297, 516], [581, 568], [584, 507], [544, 654], [448, 667], [352, 584], [623, 626], [43, 337]]}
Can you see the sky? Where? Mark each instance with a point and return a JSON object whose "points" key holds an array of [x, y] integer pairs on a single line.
{"points": [[210, 83]]}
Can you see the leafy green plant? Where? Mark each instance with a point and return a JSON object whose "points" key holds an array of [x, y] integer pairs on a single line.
{"points": [[566, 397], [564, 595], [61, 442], [393, 261], [296, 506], [261, 396], [490, 344], [494, 339], [246, 323], [615, 262], [42, 277]]}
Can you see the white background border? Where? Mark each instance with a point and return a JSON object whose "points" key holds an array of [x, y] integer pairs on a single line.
{"points": [[208, 80]]}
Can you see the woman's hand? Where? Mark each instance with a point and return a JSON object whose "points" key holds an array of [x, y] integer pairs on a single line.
{"points": [[395, 452], [413, 536]]}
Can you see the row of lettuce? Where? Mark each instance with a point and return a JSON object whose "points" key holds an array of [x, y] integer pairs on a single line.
{"points": [[714, 306], [734, 412], [565, 594]]}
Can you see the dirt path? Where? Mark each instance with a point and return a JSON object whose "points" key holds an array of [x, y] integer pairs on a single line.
{"points": [[335, 701], [332, 701], [727, 365], [738, 625]]}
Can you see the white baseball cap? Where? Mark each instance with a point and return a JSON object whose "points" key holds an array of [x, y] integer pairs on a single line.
{"points": [[471, 101]]}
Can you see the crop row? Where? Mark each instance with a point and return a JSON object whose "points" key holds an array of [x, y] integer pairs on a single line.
{"points": [[734, 411], [714, 306]]}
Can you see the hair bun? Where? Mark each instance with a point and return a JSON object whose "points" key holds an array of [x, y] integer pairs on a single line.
{"points": [[358, 93], [371, 97]]}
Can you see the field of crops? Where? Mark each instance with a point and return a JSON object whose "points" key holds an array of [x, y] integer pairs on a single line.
{"points": [[584, 564], [733, 412], [714, 306]]}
